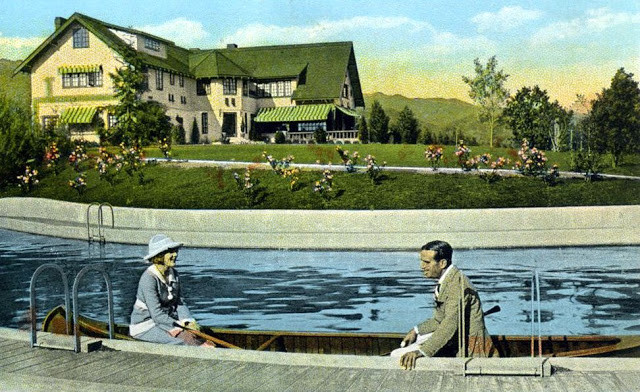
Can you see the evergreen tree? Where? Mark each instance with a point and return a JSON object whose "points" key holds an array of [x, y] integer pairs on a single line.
{"points": [[406, 127], [363, 131], [615, 117], [378, 124], [195, 132], [129, 84]]}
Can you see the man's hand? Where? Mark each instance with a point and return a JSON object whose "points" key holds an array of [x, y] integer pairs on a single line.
{"points": [[409, 339], [408, 361]]}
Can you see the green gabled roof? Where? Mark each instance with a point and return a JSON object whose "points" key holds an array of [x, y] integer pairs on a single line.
{"points": [[320, 68], [176, 61]]}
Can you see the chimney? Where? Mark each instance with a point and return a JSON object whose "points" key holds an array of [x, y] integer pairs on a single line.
{"points": [[232, 46], [59, 22]]}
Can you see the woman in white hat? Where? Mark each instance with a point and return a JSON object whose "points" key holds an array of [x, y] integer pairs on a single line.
{"points": [[159, 314]]}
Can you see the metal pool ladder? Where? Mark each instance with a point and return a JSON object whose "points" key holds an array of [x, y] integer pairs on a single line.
{"points": [[68, 309], [100, 236]]}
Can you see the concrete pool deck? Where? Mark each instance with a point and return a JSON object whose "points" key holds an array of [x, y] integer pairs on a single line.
{"points": [[330, 229], [139, 366]]}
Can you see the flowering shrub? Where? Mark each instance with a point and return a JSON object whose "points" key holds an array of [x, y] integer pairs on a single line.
{"points": [[78, 155], [324, 186], [248, 186], [165, 147], [278, 166], [551, 178], [282, 168], [108, 165], [433, 154], [532, 162], [491, 176], [132, 161], [28, 179], [349, 161], [52, 157], [373, 168], [292, 175], [465, 160], [79, 183]]}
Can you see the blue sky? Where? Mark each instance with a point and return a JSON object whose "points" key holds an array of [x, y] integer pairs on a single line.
{"points": [[414, 48]]}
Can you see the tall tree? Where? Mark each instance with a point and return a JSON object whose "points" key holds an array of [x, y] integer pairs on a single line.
{"points": [[487, 89], [407, 126], [378, 124], [530, 115], [363, 130], [615, 117], [129, 84]]}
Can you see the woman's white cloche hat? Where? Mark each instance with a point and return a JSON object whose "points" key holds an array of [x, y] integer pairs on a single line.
{"points": [[160, 243]]}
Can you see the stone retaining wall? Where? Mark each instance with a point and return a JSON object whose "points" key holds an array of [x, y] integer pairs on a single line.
{"points": [[345, 230]]}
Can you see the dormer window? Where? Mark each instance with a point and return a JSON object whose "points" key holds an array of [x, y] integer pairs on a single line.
{"points": [[80, 38], [152, 44]]}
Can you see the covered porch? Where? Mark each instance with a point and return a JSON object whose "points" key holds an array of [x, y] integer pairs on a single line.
{"points": [[299, 123]]}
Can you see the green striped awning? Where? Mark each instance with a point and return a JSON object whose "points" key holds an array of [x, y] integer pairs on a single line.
{"points": [[295, 113], [68, 69], [348, 112], [78, 115]]}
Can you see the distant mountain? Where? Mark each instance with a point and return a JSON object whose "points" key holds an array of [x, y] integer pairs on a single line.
{"points": [[16, 87], [439, 115]]}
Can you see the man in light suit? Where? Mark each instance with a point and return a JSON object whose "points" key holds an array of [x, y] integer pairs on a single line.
{"points": [[439, 335]]}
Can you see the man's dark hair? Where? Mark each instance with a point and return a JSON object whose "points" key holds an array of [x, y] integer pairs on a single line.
{"points": [[443, 250]]}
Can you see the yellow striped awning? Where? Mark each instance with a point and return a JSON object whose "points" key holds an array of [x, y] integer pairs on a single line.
{"points": [[295, 113], [68, 69], [78, 115]]}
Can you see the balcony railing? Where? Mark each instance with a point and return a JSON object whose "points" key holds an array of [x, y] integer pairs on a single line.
{"points": [[343, 136]]}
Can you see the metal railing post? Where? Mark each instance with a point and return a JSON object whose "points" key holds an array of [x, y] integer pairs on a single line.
{"points": [[32, 299], [76, 283]]}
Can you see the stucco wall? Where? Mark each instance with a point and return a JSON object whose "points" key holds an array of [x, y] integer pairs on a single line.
{"points": [[348, 230]]}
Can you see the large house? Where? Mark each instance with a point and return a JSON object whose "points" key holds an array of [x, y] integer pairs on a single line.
{"points": [[228, 93]]}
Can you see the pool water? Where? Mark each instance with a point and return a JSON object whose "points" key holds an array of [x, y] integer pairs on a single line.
{"points": [[588, 290]]}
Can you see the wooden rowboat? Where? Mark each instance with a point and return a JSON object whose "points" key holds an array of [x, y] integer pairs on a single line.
{"points": [[371, 344]]}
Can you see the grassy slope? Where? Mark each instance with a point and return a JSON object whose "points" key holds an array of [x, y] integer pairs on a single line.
{"points": [[169, 186]]}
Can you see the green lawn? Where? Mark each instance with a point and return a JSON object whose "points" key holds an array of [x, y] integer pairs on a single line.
{"points": [[394, 155], [169, 186]]}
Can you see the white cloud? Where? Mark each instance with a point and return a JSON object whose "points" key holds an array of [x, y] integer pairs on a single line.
{"points": [[17, 48], [257, 33], [181, 30], [594, 21], [508, 18]]}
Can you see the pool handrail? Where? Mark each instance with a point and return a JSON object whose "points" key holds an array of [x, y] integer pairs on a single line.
{"points": [[101, 237], [32, 299], [76, 284]]}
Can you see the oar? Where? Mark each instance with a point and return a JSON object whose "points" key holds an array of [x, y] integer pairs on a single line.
{"points": [[209, 338], [493, 310]]}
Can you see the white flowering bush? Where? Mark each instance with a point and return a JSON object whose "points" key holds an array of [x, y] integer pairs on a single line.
{"points": [[28, 180]]}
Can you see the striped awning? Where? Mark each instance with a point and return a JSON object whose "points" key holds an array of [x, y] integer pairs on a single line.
{"points": [[68, 69], [295, 113], [348, 112], [78, 115]]}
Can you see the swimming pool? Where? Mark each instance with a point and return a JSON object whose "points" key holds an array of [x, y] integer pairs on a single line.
{"points": [[592, 290]]}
